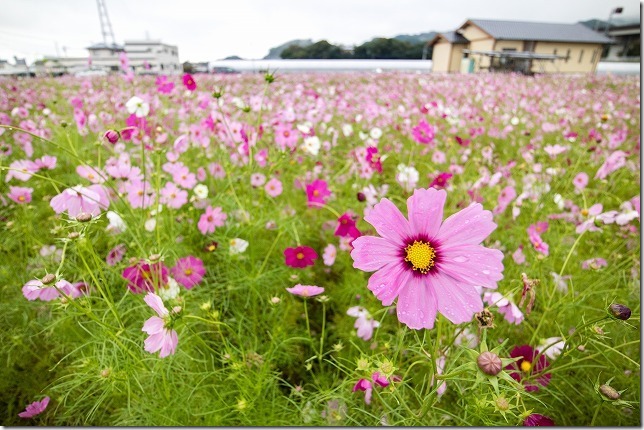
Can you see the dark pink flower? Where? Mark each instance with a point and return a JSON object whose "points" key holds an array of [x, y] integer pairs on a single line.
{"points": [[145, 277], [300, 257], [317, 192], [347, 227], [35, 408], [429, 264], [423, 132], [189, 82], [530, 363], [440, 181], [373, 158], [116, 254], [112, 136], [364, 385], [189, 271], [538, 420]]}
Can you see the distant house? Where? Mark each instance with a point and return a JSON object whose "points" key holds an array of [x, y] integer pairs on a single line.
{"points": [[19, 68], [526, 47]]}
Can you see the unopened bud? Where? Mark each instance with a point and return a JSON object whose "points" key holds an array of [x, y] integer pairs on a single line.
{"points": [[83, 217], [48, 279], [609, 392], [620, 312], [155, 257], [502, 403], [112, 136], [73, 235], [361, 197], [106, 372], [489, 363]]}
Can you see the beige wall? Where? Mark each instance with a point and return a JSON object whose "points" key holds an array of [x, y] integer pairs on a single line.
{"points": [[473, 33], [587, 64], [457, 56], [481, 62], [440, 56]]}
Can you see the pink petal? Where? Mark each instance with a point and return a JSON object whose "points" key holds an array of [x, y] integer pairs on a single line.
{"points": [[371, 253], [417, 305], [387, 282], [153, 325], [389, 222], [472, 264], [457, 302], [425, 210], [154, 342], [170, 341], [156, 303], [467, 227]]}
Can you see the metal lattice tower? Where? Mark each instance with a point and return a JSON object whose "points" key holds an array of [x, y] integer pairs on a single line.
{"points": [[106, 25]]}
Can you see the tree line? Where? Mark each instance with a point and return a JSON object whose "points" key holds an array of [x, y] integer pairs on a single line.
{"points": [[380, 48]]}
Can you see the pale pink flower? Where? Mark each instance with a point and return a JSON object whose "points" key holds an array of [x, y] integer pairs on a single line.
{"points": [[518, 256], [173, 196], [329, 254], [508, 309], [161, 336], [45, 162], [94, 175], [589, 223], [614, 161], [257, 179], [35, 289], [21, 170], [210, 219], [594, 263], [35, 408], [431, 266], [80, 199], [140, 194], [305, 290], [273, 187], [580, 181], [20, 195], [364, 322]]}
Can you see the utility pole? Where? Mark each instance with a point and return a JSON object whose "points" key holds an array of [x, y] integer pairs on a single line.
{"points": [[616, 11]]}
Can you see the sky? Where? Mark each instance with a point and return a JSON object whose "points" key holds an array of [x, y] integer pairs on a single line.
{"points": [[208, 30]]}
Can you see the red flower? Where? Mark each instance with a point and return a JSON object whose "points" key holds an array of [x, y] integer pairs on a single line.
{"points": [[189, 82], [300, 257], [347, 227], [528, 365]]}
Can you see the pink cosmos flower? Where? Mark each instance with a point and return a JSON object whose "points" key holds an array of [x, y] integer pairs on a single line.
{"points": [[518, 256], [173, 196], [594, 263], [161, 337], [21, 170], [380, 379], [273, 187], [538, 420], [428, 265], [423, 132], [317, 192], [305, 290], [80, 199], [440, 181], [300, 257], [46, 162], [614, 161], [210, 219], [364, 385], [35, 408], [373, 158], [508, 309], [145, 276], [257, 179], [580, 181], [35, 289], [20, 195], [189, 82], [115, 255], [163, 85], [589, 223], [188, 271], [364, 322], [329, 254], [347, 227], [505, 198], [530, 362]]}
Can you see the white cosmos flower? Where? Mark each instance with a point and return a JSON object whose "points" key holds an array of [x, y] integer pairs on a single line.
{"points": [[552, 347], [138, 107], [312, 145], [201, 191], [237, 245], [170, 291], [117, 225], [347, 130], [375, 133]]}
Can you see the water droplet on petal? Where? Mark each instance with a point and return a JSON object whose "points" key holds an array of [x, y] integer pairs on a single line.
{"points": [[461, 259], [486, 272]]}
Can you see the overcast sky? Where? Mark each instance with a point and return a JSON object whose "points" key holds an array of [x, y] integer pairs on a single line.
{"points": [[206, 30]]}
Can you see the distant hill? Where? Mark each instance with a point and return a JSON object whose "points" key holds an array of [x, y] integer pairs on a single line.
{"points": [[416, 38], [274, 53], [233, 57]]}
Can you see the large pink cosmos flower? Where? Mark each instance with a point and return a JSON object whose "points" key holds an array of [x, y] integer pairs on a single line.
{"points": [[431, 267], [161, 337], [189, 271]]}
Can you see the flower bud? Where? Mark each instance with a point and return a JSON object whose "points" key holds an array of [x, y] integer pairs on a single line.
{"points": [[361, 197], [73, 235], [609, 392], [83, 217], [620, 312], [112, 136], [48, 278], [502, 403], [489, 363]]}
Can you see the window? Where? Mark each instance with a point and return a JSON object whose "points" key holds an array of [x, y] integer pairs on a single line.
{"points": [[509, 49], [554, 52], [581, 55], [592, 60], [567, 55]]}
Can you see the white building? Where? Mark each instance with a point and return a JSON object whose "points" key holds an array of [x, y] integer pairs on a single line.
{"points": [[144, 57]]}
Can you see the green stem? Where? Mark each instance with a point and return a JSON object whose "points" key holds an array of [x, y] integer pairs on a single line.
{"points": [[592, 422]]}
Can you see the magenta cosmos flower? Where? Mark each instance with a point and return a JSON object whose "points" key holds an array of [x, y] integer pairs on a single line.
{"points": [[145, 277], [35, 408], [538, 420], [300, 256], [530, 363], [189, 82], [430, 266], [188, 271], [161, 336], [305, 290], [316, 193]]}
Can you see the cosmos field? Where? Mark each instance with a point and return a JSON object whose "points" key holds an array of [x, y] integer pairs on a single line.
{"points": [[320, 249]]}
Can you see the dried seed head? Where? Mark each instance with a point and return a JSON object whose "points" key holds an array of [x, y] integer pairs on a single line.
{"points": [[83, 217], [620, 311], [49, 278], [489, 363], [73, 235], [155, 257], [609, 392], [502, 403], [485, 319]]}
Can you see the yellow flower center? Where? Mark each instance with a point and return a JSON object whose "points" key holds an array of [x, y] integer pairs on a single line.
{"points": [[188, 272], [584, 212], [316, 193], [21, 198], [526, 366], [299, 256], [421, 256]]}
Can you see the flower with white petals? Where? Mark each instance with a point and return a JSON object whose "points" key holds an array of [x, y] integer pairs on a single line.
{"points": [[138, 107]]}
